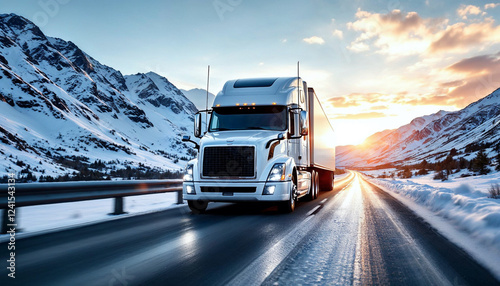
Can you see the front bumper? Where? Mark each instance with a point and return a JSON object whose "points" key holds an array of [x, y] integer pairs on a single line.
{"points": [[281, 191]]}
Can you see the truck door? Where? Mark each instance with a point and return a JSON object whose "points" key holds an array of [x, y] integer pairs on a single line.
{"points": [[294, 145]]}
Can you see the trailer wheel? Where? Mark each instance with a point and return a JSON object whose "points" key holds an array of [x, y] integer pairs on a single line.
{"points": [[197, 206]]}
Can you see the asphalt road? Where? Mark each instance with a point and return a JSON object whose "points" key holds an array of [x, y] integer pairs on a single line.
{"points": [[354, 235]]}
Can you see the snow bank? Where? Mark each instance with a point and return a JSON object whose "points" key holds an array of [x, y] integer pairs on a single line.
{"points": [[468, 209]]}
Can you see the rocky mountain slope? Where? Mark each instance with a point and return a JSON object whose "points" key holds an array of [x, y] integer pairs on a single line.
{"points": [[430, 137], [59, 105]]}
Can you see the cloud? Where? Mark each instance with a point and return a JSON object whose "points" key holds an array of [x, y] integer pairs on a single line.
{"points": [[479, 76], [402, 34], [370, 100], [478, 64], [474, 89], [358, 47], [463, 82], [379, 107], [465, 10], [461, 37], [338, 33], [342, 102], [491, 6], [482, 76], [357, 99], [395, 33], [431, 99], [366, 115], [314, 40], [452, 84]]}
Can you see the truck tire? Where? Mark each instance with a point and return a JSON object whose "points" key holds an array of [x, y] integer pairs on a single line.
{"points": [[310, 194], [313, 191], [197, 206], [289, 205], [316, 185]]}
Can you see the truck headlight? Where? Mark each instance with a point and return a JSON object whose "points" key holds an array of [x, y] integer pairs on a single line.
{"points": [[188, 174], [190, 190], [277, 173], [269, 190]]}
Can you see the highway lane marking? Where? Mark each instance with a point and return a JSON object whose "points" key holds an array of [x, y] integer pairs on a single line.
{"points": [[323, 201], [313, 210]]}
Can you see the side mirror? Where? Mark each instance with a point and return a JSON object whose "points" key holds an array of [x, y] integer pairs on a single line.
{"points": [[304, 130], [278, 138], [197, 125], [187, 138]]}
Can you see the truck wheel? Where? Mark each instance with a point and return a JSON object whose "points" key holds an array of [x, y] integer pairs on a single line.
{"points": [[316, 185], [197, 206], [289, 205], [313, 191]]}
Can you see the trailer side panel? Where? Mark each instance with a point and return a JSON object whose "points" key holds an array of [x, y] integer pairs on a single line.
{"points": [[322, 144]]}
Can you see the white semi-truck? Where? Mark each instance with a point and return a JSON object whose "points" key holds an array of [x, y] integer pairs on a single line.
{"points": [[267, 140]]}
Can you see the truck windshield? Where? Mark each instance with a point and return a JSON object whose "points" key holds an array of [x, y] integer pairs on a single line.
{"points": [[248, 117]]}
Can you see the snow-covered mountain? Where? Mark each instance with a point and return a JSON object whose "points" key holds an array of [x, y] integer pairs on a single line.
{"points": [[430, 137], [199, 97], [58, 103]]}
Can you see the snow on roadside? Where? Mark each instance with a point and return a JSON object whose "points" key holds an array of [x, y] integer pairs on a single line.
{"points": [[477, 183], [462, 207], [470, 210]]}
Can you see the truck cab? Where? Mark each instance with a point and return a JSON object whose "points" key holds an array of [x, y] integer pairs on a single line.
{"points": [[258, 145]]}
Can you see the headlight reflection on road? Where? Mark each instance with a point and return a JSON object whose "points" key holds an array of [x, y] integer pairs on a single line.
{"points": [[188, 242]]}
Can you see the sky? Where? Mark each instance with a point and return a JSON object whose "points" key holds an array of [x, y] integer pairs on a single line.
{"points": [[374, 64]]}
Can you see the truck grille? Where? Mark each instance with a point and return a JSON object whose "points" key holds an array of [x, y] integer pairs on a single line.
{"points": [[232, 161]]}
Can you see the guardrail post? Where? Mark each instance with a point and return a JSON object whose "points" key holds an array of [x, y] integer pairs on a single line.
{"points": [[5, 221], [118, 206], [180, 200]]}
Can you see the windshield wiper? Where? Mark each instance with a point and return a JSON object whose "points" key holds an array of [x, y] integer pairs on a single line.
{"points": [[255, 127]]}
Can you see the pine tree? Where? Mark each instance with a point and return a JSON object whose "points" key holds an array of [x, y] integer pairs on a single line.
{"points": [[453, 152], [407, 173], [480, 163], [449, 164]]}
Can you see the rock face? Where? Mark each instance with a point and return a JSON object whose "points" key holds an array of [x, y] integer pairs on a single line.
{"points": [[57, 101], [430, 137]]}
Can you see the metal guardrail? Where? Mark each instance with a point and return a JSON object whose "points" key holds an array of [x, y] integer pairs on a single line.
{"points": [[53, 193]]}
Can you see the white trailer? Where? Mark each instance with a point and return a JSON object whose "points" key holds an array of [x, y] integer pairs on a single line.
{"points": [[268, 139]]}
